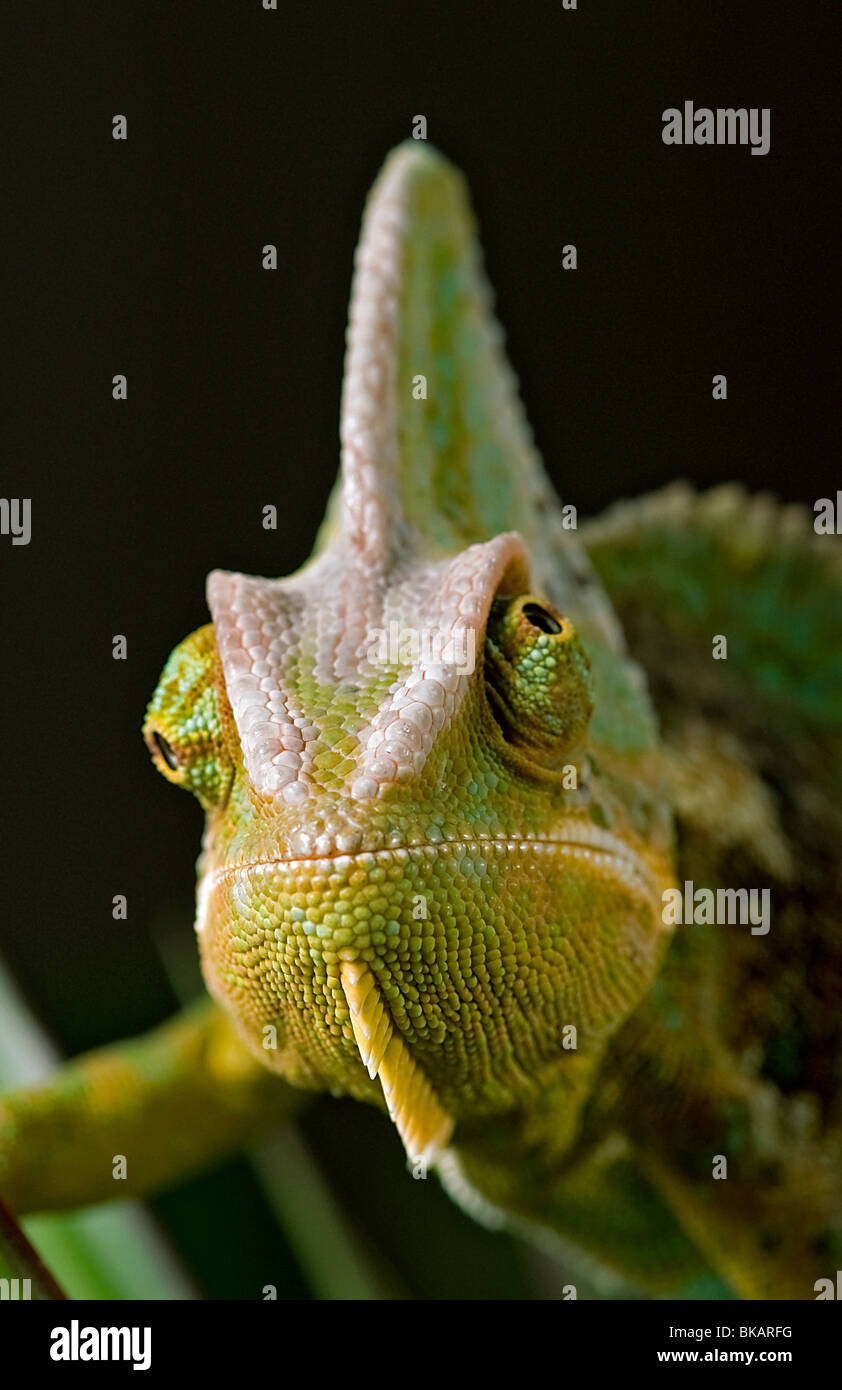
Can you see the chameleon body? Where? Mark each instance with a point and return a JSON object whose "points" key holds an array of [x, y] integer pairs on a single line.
{"points": [[452, 766]]}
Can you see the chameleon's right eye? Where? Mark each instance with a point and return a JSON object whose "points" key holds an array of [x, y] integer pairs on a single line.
{"points": [[185, 729], [161, 745], [538, 679]]}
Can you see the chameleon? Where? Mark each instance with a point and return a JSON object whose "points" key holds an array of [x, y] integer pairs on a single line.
{"points": [[451, 770]]}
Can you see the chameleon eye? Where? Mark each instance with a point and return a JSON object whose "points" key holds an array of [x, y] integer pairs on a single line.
{"points": [[538, 680], [539, 617], [185, 722], [161, 746]]}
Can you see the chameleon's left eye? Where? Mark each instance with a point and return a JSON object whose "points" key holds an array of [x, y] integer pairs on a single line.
{"points": [[541, 618], [538, 679]]}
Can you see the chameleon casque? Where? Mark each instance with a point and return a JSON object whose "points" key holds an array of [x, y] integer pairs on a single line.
{"points": [[433, 871]]}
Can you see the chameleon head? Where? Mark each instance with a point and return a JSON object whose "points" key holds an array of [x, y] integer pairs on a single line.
{"points": [[418, 813], [434, 850]]}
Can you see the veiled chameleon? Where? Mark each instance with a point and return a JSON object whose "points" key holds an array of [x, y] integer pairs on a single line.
{"points": [[435, 861]]}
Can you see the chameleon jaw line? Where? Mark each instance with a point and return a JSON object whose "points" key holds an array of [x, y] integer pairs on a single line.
{"points": [[589, 842]]}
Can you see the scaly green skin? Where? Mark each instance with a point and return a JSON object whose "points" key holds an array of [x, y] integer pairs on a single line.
{"points": [[479, 850]]}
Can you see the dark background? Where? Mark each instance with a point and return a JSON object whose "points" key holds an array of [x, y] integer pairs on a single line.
{"points": [[143, 257]]}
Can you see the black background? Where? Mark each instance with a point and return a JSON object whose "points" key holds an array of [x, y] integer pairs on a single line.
{"points": [[144, 257]]}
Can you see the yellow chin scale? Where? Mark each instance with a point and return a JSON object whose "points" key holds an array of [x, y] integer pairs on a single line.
{"points": [[423, 1125]]}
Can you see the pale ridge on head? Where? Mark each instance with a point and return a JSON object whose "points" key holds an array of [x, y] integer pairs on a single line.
{"points": [[456, 465]]}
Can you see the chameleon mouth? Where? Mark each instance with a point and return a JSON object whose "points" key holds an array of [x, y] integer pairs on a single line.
{"points": [[417, 1097], [585, 844]]}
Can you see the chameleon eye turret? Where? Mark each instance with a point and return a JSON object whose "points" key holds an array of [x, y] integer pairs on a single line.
{"points": [[185, 724], [538, 679]]}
